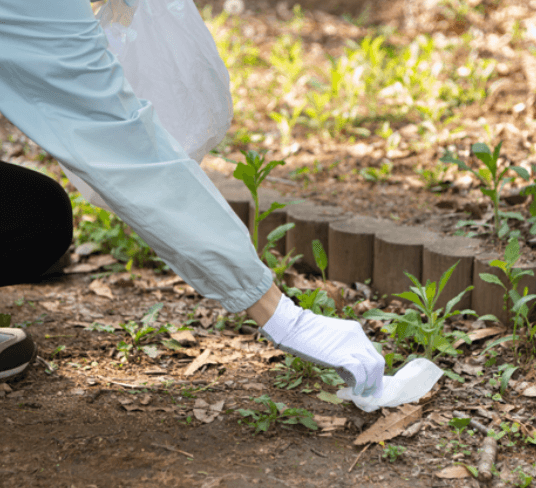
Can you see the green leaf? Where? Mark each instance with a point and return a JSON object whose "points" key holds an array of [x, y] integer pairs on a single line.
{"points": [[152, 314], [456, 299], [489, 278], [172, 344], [507, 374], [273, 206], [497, 342], [279, 232], [309, 423], [329, 397], [512, 253], [5, 320], [266, 170], [497, 151], [295, 383], [376, 314], [522, 301], [453, 376], [472, 470], [489, 317], [247, 412], [521, 172], [151, 351], [262, 425], [321, 258], [446, 276], [482, 152], [430, 292], [459, 423], [247, 175], [497, 263], [409, 295]]}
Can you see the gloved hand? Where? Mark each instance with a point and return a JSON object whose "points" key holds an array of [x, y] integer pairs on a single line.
{"points": [[328, 342]]}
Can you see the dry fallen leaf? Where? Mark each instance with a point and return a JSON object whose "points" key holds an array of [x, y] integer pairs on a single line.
{"points": [[207, 413], [198, 362], [99, 288], [253, 386], [146, 399], [454, 472], [94, 263], [273, 353], [480, 334], [184, 338], [328, 424], [390, 426]]}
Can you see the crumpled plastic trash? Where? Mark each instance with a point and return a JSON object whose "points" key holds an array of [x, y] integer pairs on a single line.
{"points": [[409, 384]]}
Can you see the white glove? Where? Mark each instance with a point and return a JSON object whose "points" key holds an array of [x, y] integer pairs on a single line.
{"points": [[328, 342]]}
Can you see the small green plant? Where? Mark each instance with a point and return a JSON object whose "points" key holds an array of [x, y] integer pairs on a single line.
{"points": [[518, 312], [112, 236], [433, 178], [393, 452], [492, 180], [295, 370], [253, 174], [276, 413], [279, 266], [509, 431], [141, 334], [286, 122], [524, 480], [378, 175], [57, 351], [428, 334]]}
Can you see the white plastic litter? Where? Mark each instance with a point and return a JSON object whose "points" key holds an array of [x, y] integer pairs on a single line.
{"points": [[169, 57], [409, 384]]}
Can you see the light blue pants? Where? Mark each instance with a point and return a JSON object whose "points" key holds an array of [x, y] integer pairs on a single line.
{"points": [[62, 87]]}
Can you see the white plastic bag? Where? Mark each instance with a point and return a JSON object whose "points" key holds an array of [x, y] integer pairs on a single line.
{"points": [[169, 58], [409, 384]]}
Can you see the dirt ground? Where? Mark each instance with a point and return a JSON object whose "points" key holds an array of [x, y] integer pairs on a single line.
{"points": [[80, 419]]}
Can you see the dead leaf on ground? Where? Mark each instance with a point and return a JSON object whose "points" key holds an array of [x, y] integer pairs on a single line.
{"points": [[253, 386], [184, 338], [198, 362], [229, 358], [51, 306], [99, 288], [271, 354], [207, 413], [412, 429], [328, 424], [93, 264], [146, 399], [524, 388], [480, 334], [453, 472], [329, 397], [390, 426]]}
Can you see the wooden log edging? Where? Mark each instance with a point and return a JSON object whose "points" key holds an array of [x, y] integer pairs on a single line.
{"points": [[361, 248]]}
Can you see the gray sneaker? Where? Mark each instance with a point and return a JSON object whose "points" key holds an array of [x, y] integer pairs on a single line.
{"points": [[17, 352]]}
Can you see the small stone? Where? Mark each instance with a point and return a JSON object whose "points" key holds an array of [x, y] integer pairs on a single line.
{"points": [[514, 197]]}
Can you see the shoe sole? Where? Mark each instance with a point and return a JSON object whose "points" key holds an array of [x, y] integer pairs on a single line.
{"points": [[20, 372]]}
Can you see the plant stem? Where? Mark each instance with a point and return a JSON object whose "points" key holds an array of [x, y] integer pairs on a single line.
{"points": [[256, 228], [496, 207]]}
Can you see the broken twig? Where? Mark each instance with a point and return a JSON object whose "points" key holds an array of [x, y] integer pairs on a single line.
{"points": [[358, 456]]}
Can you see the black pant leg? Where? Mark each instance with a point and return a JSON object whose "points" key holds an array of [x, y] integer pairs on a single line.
{"points": [[36, 224]]}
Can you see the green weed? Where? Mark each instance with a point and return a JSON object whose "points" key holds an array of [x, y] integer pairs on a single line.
{"points": [[515, 304], [276, 413], [429, 334], [492, 182]]}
